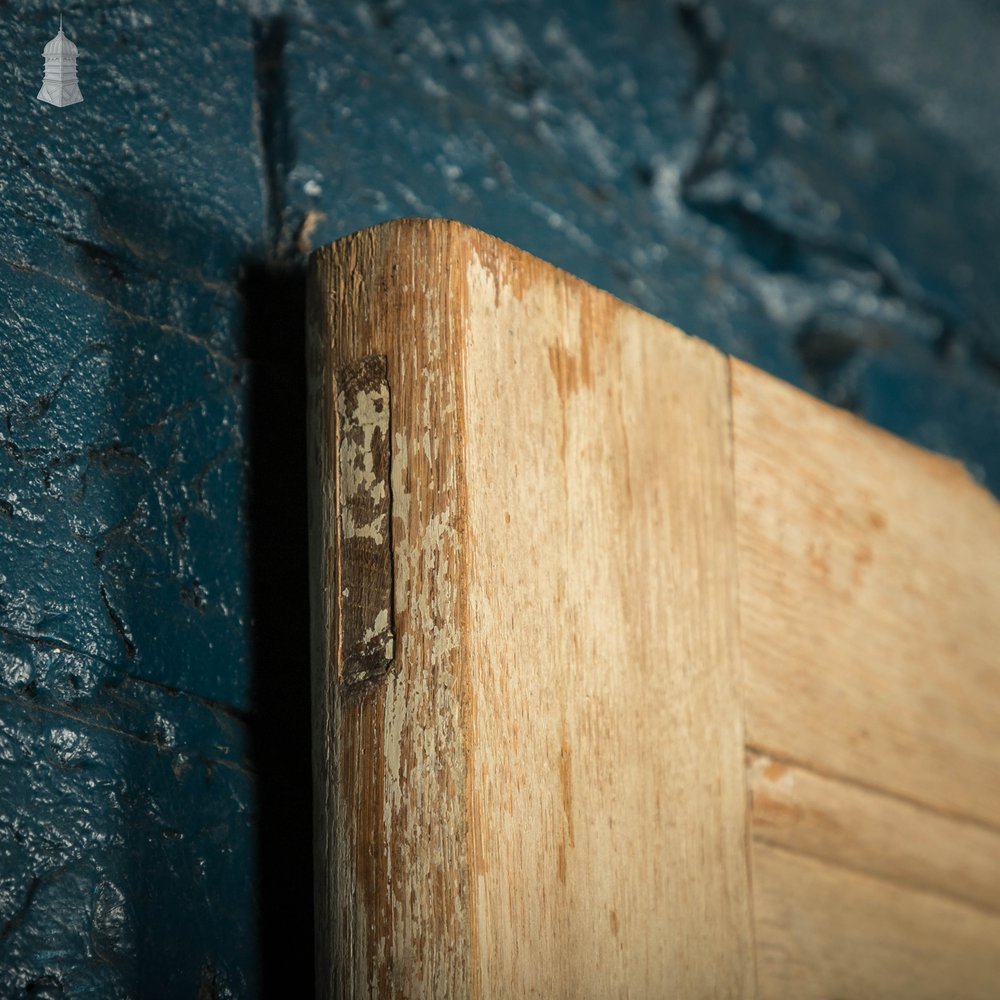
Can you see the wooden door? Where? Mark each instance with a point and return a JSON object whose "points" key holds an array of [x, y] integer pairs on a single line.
{"points": [[637, 673]]}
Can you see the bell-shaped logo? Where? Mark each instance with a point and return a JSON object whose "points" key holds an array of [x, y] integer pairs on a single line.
{"points": [[59, 87]]}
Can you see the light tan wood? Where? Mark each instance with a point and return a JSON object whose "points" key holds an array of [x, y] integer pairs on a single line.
{"points": [[392, 889], [869, 602], [545, 796], [870, 832], [607, 814], [576, 581], [824, 932]]}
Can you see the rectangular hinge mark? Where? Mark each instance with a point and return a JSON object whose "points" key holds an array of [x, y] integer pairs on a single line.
{"points": [[366, 644]]}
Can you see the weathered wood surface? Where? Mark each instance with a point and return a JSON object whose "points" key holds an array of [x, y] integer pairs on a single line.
{"points": [[874, 833], [825, 932], [546, 794], [392, 911], [869, 602], [363, 542], [609, 550], [605, 739]]}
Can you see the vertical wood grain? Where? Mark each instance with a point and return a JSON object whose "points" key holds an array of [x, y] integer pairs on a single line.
{"points": [[607, 797], [546, 794], [392, 887], [595, 521]]}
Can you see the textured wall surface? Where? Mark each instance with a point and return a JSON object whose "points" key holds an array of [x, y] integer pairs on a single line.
{"points": [[813, 187]]}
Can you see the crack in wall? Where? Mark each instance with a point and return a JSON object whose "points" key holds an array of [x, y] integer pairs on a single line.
{"points": [[118, 623], [834, 347], [701, 25], [272, 124]]}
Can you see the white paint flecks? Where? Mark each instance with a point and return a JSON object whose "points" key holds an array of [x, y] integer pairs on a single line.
{"points": [[370, 414]]}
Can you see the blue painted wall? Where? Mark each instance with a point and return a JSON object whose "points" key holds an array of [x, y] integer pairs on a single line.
{"points": [[812, 187]]}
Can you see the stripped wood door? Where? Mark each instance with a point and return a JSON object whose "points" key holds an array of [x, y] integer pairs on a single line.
{"points": [[636, 673]]}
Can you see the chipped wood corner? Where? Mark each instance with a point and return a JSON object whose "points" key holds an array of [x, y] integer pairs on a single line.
{"points": [[365, 640]]}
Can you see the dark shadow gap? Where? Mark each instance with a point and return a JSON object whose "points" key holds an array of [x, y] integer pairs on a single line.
{"points": [[274, 331]]}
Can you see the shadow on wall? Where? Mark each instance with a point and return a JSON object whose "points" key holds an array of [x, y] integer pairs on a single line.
{"points": [[274, 328], [262, 372], [273, 293]]}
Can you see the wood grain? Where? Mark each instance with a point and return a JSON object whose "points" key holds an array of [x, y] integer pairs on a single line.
{"points": [[608, 547], [607, 800], [873, 833], [392, 890], [546, 795], [824, 932], [869, 603]]}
